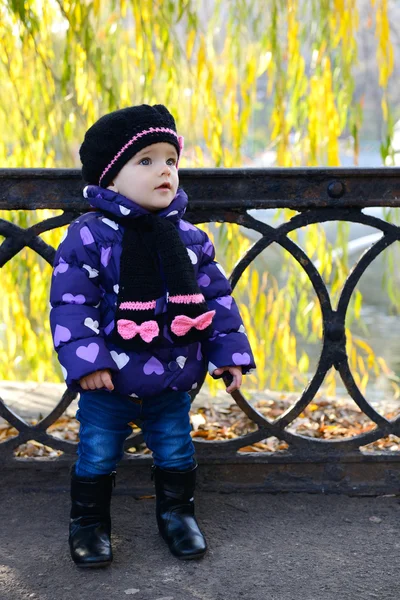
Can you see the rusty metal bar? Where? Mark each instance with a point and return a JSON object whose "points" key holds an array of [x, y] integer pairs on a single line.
{"points": [[232, 189]]}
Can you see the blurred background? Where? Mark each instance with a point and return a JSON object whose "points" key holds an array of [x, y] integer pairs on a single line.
{"points": [[251, 84]]}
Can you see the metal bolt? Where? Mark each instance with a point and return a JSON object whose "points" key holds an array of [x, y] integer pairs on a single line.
{"points": [[336, 189]]}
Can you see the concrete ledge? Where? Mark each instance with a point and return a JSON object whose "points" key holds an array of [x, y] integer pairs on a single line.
{"points": [[261, 547], [327, 476]]}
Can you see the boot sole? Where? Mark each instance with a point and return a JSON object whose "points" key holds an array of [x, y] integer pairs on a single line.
{"points": [[93, 565], [194, 557], [189, 557]]}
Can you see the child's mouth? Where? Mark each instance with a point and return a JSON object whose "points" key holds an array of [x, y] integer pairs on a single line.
{"points": [[164, 186]]}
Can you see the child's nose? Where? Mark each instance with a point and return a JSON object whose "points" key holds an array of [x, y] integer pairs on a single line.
{"points": [[166, 169]]}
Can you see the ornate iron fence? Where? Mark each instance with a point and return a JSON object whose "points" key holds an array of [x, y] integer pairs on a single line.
{"points": [[225, 195]]}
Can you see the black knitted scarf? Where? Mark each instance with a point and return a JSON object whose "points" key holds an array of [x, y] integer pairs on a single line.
{"points": [[155, 262]]}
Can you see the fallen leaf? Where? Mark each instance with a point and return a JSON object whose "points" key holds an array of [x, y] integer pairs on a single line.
{"points": [[375, 519]]}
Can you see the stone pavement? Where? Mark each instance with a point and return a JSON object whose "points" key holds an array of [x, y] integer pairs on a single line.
{"points": [[261, 547]]}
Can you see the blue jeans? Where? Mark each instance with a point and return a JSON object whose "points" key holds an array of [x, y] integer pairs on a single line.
{"points": [[104, 418]]}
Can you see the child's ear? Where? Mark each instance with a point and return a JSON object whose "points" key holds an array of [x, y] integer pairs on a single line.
{"points": [[112, 187]]}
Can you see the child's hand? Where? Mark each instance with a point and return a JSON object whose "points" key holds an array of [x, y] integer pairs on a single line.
{"points": [[236, 373], [97, 381]]}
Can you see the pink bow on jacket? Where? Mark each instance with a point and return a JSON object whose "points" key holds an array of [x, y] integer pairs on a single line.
{"points": [[182, 324], [147, 330]]}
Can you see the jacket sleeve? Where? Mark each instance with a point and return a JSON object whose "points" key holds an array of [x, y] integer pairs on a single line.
{"points": [[75, 297], [228, 344]]}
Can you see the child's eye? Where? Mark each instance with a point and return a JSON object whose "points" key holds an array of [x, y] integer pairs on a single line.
{"points": [[171, 161], [144, 161]]}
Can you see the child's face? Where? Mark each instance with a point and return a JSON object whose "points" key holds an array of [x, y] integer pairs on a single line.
{"points": [[150, 178]]}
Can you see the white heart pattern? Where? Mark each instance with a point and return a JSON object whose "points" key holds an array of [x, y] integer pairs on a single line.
{"points": [[211, 368], [242, 329], [172, 213], [192, 256], [116, 288], [124, 210], [120, 359], [181, 361], [64, 371], [93, 325], [92, 272], [111, 224], [134, 396]]}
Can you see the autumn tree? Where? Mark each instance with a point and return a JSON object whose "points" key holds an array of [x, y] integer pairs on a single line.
{"points": [[65, 63]]}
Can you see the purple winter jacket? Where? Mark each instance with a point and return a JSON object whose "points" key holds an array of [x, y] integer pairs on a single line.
{"points": [[83, 300]]}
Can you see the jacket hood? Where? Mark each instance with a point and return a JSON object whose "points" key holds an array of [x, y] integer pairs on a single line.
{"points": [[122, 207]]}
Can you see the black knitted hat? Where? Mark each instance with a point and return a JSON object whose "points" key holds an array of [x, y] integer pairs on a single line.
{"points": [[116, 137]]}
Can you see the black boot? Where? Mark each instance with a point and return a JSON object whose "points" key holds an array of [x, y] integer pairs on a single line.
{"points": [[175, 512], [90, 524]]}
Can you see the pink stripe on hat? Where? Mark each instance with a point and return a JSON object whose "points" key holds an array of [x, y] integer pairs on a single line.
{"points": [[137, 137]]}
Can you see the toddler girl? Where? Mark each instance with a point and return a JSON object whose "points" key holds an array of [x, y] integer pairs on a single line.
{"points": [[139, 307]]}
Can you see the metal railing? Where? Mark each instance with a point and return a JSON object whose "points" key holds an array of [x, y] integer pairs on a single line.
{"points": [[318, 195]]}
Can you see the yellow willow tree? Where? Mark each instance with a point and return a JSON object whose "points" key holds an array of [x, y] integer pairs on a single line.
{"points": [[65, 63]]}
